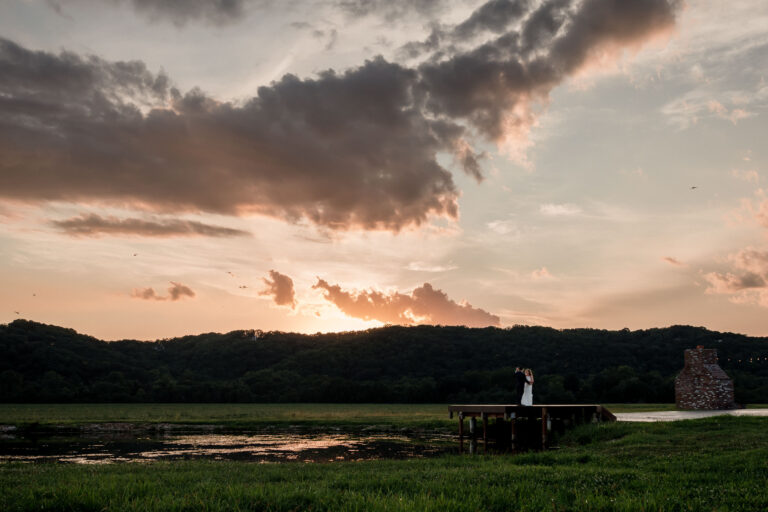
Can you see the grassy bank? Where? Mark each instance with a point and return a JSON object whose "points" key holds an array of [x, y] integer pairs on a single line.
{"points": [[711, 464], [250, 415], [229, 415]]}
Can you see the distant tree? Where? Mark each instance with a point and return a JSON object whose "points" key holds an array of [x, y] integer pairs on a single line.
{"points": [[11, 386], [389, 364]]}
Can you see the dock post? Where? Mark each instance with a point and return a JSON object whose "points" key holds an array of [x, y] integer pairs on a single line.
{"points": [[543, 428], [512, 432], [461, 432], [472, 426], [485, 432]]}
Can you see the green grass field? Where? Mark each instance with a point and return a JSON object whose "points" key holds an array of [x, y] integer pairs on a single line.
{"points": [[251, 415], [230, 415], [711, 464]]}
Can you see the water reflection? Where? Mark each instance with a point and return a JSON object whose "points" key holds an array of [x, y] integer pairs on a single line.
{"points": [[255, 447]]}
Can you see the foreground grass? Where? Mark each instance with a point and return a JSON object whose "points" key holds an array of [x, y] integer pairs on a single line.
{"points": [[710, 464], [250, 415]]}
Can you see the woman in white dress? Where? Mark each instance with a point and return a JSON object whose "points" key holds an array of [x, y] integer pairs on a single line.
{"points": [[528, 390]]}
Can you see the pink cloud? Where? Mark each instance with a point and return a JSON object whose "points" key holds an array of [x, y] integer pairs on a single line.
{"points": [[761, 213], [176, 291], [750, 176], [280, 288], [541, 273], [425, 305], [746, 281], [752, 210]]}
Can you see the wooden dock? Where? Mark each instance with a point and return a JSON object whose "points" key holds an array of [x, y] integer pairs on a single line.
{"points": [[517, 426]]}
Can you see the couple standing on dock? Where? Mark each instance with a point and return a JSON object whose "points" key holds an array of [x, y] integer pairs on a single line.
{"points": [[523, 386]]}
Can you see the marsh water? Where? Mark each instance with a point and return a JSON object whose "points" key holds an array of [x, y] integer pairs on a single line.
{"points": [[104, 447]]}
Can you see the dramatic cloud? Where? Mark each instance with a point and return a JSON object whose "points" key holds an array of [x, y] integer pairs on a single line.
{"points": [[94, 225], [494, 16], [178, 12], [176, 292], [343, 151], [748, 280], [424, 305], [280, 288], [351, 150], [494, 85]]}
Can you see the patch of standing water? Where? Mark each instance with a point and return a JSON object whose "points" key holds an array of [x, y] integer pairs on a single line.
{"points": [[106, 448]]}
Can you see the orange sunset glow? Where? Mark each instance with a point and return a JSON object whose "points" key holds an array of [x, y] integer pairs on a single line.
{"points": [[343, 165]]}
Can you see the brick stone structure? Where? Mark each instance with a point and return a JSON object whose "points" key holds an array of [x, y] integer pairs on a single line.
{"points": [[702, 384]]}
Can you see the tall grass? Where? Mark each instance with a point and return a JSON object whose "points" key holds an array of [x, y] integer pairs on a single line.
{"points": [[716, 463], [243, 415], [226, 414]]}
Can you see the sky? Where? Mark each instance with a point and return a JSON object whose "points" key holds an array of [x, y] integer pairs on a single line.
{"points": [[171, 168]]}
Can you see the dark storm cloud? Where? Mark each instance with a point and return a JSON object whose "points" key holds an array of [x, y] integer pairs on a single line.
{"points": [[179, 12], [93, 225], [390, 10], [493, 85], [342, 150], [425, 305], [493, 16], [542, 24], [347, 150], [280, 288], [41, 81], [176, 291], [413, 49]]}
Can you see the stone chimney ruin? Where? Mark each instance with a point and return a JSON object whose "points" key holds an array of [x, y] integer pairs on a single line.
{"points": [[702, 384]]}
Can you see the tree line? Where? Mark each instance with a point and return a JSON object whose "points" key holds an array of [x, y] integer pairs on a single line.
{"points": [[48, 364]]}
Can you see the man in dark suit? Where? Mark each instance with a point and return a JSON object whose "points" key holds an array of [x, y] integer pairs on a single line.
{"points": [[519, 385]]}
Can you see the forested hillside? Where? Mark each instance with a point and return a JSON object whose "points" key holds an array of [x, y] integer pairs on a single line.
{"points": [[44, 363]]}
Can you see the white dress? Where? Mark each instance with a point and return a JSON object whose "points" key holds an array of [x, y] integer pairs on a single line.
{"points": [[527, 392]]}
